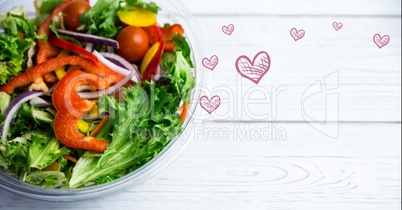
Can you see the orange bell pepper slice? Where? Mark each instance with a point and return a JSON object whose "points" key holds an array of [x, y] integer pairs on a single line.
{"points": [[46, 50], [71, 107], [169, 33], [35, 74]]}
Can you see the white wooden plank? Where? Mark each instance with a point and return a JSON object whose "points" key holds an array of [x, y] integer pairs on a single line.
{"points": [[307, 170], [294, 7], [369, 78]]}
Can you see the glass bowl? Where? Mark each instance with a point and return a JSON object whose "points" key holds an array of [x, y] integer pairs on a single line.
{"points": [[173, 11]]}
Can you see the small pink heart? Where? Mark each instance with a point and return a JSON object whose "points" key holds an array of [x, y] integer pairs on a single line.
{"points": [[337, 26], [210, 105], [381, 41], [228, 29], [297, 34], [256, 69], [210, 63]]}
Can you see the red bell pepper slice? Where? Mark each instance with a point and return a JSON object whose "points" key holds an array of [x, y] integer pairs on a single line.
{"points": [[53, 40], [152, 68]]}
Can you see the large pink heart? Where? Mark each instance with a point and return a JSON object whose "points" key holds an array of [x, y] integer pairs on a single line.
{"points": [[381, 41], [210, 105], [256, 69]]}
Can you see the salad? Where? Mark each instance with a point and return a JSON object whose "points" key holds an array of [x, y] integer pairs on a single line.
{"points": [[88, 93]]}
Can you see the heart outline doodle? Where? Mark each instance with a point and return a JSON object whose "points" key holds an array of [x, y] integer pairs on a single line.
{"points": [[210, 105], [247, 68], [228, 29], [337, 26], [381, 41], [297, 34], [210, 63]]}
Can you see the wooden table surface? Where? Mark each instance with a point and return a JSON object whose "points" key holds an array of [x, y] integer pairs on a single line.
{"points": [[322, 129]]}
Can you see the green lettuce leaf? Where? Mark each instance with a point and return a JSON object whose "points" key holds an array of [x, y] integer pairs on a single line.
{"points": [[13, 55], [5, 100], [101, 19], [50, 179], [16, 154], [43, 151], [149, 6], [138, 134], [182, 77]]}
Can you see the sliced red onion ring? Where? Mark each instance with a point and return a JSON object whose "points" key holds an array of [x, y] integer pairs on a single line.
{"points": [[123, 62], [89, 47], [158, 73], [39, 102], [123, 71], [13, 109], [110, 90], [90, 38], [51, 89], [83, 88]]}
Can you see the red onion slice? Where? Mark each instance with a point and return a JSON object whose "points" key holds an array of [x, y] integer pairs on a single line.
{"points": [[123, 62], [90, 38], [130, 68], [39, 102], [13, 109]]}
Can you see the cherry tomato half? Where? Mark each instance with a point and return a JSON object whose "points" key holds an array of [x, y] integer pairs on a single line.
{"points": [[133, 42], [73, 12]]}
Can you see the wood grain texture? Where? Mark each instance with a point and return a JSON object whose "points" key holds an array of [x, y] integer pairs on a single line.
{"points": [[291, 7], [307, 170]]}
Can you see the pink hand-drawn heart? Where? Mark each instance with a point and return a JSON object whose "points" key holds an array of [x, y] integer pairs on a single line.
{"points": [[256, 69], [210, 63], [210, 105], [228, 29], [297, 34], [337, 26], [381, 41]]}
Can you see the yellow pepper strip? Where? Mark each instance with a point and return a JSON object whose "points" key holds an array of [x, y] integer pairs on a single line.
{"points": [[60, 72], [83, 126]]}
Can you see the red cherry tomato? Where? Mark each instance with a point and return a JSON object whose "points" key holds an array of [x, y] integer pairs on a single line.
{"points": [[133, 42], [73, 12]]}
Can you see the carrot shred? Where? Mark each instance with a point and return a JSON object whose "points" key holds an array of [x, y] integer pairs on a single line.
{"points": [[99, 126], [183, 114], [68, 157]]}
